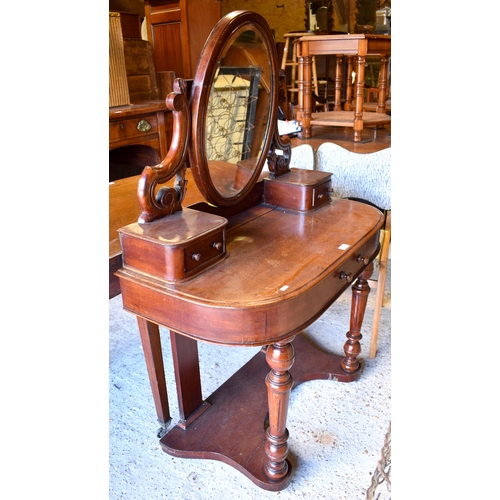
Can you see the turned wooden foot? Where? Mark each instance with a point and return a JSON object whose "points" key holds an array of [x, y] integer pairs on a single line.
{"points": [[352, 347], [280, 358]]}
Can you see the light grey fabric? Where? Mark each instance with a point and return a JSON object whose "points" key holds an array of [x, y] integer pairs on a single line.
{"points": [[357, 175], [302, 157]]}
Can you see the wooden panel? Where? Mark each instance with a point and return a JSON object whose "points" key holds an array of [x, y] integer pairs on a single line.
{"points": [[167, 48], [131, 25], [202, 17], [178, 32]]}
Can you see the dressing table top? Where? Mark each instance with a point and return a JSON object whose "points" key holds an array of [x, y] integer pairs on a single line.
{"points": [[281, 272]]}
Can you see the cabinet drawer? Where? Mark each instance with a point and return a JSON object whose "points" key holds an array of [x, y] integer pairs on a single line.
{"points": [[346, 273], [204, 251], [132, 127]]}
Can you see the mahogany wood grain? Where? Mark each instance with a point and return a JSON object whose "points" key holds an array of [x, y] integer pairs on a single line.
{"points": [[231, 298]]}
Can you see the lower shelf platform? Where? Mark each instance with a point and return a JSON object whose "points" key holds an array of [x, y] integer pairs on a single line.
{"points": [[233, 429], [346, 118]]}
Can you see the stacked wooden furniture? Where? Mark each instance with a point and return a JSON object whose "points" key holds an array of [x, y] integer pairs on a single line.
{"points": [[253, 265], [143, 124]]}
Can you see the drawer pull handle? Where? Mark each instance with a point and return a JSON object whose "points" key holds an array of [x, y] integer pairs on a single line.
{"points": [[363, 259], [143, 126], [325, 191], [345, 276], [217, 245], [196, 256]]}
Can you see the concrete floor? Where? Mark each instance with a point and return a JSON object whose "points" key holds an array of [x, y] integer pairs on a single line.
{"points": [[337, 430]]}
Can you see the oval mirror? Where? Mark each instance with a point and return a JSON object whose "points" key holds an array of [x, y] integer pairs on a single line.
{"points": [[233, 107]]}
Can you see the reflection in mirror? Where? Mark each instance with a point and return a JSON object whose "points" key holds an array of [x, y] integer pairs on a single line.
{"points": [[319, 15], [238, 111]]}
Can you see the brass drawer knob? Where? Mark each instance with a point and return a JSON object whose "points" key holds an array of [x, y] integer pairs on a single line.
{"points": [[345, 276], [143, 126]]}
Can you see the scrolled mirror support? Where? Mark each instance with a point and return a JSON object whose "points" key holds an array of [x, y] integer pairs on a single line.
{"points": [[167, 200], [278, 156]]}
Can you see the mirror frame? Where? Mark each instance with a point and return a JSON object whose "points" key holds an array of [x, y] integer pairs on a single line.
{"points": [[200, 94]]}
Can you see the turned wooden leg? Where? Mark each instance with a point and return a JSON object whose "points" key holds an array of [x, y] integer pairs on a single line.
{"points": [[360, 90], [280, 357], [348, 79], [382, 86], [305, 96], [151, 344], [352, 347], [338, 83]]}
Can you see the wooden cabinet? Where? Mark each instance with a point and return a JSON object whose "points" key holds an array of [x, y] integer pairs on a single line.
{"points": [[177, 30], [148, 124]]}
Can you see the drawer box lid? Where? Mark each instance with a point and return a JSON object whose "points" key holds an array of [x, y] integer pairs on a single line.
{"points": [[299, 189], [176, 230], [302, 177]]}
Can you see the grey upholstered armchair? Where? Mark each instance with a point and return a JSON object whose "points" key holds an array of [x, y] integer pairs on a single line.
{"points": [[366, 177]]}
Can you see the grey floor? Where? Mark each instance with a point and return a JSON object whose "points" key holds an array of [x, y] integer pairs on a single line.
{"points": [[337, 430]]}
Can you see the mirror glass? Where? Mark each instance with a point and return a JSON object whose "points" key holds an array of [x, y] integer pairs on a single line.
{"points": [[238, 111], [234, 108]]}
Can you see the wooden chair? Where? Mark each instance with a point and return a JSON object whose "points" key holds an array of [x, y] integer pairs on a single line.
{"points": [[290, 60], [365, 177]]}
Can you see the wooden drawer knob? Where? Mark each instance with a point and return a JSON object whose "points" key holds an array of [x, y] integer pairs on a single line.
{"points": [[196, 256], [217, 245], [345, 276], [363, 259]]}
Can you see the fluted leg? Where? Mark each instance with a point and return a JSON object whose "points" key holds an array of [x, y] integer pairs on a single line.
{"points": [[280, 357], [352, 347]]}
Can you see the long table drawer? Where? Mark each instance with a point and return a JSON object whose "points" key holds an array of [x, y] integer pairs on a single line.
{"points": [[132, 127]]}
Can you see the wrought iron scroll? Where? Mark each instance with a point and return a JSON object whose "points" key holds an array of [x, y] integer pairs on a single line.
{"points": [[231, 113], [167, 200]]}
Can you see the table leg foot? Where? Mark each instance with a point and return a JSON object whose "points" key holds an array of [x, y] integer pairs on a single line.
{"points": [[360, 292], [280, 358]]}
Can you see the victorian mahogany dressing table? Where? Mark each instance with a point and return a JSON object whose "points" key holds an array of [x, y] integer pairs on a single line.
{"points": [[254, 265]]}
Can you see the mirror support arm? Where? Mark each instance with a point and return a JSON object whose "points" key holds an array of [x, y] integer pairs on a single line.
{"points": [[168, 199], [278, 157]]}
